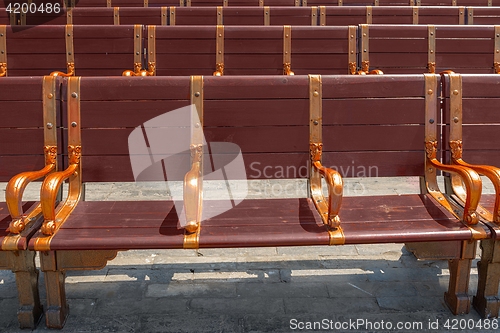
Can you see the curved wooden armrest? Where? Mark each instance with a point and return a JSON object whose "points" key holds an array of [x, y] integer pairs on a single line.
{"points": [[329, 211], [473, 187], [14, 196], [493, 174], [287, 69], [48, 197], [193, 195]]}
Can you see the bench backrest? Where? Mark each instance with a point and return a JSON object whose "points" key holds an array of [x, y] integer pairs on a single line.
{"points": [[367, 131], [480, 119], [94, 50], [341, 15], [238, 3], [22, 125], [184, 50], [483, 15], [420, 48]]}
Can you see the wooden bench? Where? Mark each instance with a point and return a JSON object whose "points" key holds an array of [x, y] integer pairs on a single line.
{"points": [[420, 48], [483, 15], [470, 111], [29, 135], [232, 50], [70, 50], [277, 122]]}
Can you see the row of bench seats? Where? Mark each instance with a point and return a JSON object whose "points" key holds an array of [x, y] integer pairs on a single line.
{"points": [[326, 124], [88, 50], [322, 15], [213, 3]]}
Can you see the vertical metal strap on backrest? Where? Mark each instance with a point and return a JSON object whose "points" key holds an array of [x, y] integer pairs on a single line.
{"points": [[455, 107], [261, 3], [341, 2], [69, 15], [116, 15], [431, 51], [315, 113], [220, 19], [496, 54], [352, 66], [287, 50], [490, 3], [108, 3], [187, 4], [322, 15], [376, 3], [267, 15], [304, 3], [70, 51], [172, 15], [368, 14], [430, 131], [192, 238], [138, 46], [415, 14], [12, 18], [365, 49], [225, 3], [470, 15], [461, 15], [412, 3], [219, 51], [418, 3], [22, 18], [146, 3], [453, 2], [49, 112], [297, 3], [152, 50], [164, 11], [3, 50]]}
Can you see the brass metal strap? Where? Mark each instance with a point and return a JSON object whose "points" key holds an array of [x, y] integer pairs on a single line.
{"points": [[219, 51], [341, 2], [3, 50], [116, 15], [192, 239], [22, 18], [108, 3], [490, 3], [412, 3], [152, 50], [137, 45], [453, 2], [304, 3], [297, 3], [220, 11], [287, 50], [431, 54], [368, 14], [418, 3], [187, 4], [172, 15], [365, 50], [352, 66], [146, 3], [322, 15], [225, 3], [314, 15], [69, 15], [336, 235], [415, 14], [12, 17], [267, 15], [496, 56], [261, 3], [461, 15], [470, 17], [70, 52], [164, 11], [376, 2]]}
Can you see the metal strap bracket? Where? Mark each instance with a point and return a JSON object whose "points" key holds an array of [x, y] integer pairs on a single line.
{"points": [[322, 15], [461, 15], [496, 57], [164, 16], [219, 51], [365, 49], [3, 50], [287, 50], [220, 13], [431, 51], [415, 14], [369, 15], [172, 15], [352, 66], [151, 50], [267, 15], [108, 3], [116, 15]]}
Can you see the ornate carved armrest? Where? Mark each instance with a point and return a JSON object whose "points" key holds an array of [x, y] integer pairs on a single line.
{"points": [[16, 186], [50, 188], [3, 69], [219, 69], [138, 71], [493, 174], [329, 210], [193, 186], [470, 178], [70, 72], [287, 69]]}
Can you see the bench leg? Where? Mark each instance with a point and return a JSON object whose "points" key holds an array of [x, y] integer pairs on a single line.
{"points": [[457, 296], [30, 309], [57, 308], [486, 301]]}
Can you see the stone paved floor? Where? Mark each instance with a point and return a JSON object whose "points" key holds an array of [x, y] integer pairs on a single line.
{"points": [[368, 287]]}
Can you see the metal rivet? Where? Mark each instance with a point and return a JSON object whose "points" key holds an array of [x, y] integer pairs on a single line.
{"points": [[498, 35], [318, 201], [429, 91], [364, 35], [432, 51], [286, 52], [172, 13], [455, 92], [137, 36], [286, 36], [431, 170], [352, 36], [369, 14], [455, 119], [1, 35], [74, 95], [218, 13], [50, 96], [316, 122], [364, 50], [49, 125], [137, 53], [197, 94], [220, 52], [431, 121], [315, 94], [69, 53], [2, 52], [220, 35], [432, 34], [73, 124], [352, 52], [69, 35], [498, 51], [197, 125], [440, 198]]}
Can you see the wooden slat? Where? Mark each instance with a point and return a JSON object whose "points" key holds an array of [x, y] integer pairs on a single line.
{"points": [[196, 16]]}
